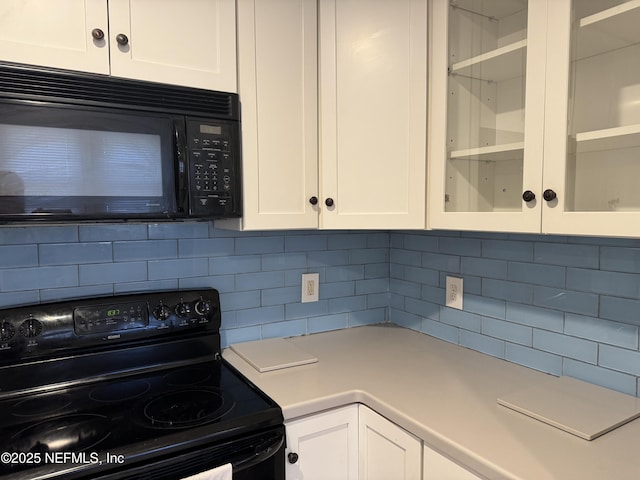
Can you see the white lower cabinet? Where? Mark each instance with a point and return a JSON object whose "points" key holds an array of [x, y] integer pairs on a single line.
{"points": [[439, 467], [386, 451], [323, 446], [350, 443]]}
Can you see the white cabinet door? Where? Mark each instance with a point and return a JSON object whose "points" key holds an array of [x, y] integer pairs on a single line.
{"points": [[278, 85], [372, 115], [592, 131], [535, 116], [55, 33], [438, 467], [326, 445], [190, 42], [373, 86], [387, 451], [487, 86]]}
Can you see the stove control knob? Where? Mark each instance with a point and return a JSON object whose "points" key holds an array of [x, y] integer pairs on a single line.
{"points": [[7, 331], [31, 328], [203, 307], [183, 309], [161, 312]]}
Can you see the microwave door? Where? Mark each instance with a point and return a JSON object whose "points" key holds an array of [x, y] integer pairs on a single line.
{"points": [[81, 163]]}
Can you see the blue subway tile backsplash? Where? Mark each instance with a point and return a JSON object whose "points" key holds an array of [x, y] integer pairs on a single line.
{"points": [[562, 305], [567, 305]]}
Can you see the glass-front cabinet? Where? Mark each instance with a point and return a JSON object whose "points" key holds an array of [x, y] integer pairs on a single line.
{"points": [[535, 116], [592, 133]]}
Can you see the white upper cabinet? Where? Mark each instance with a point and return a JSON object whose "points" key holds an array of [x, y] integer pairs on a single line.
{"points": [[486, 113], [278, 86], [347, 151], [592, 135], [535, 116], [373, 84], [56, 33], [190, 43]]}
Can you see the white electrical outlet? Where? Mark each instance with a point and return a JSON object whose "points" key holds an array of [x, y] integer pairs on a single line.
{"points": [[454, 293], [310, 287]]}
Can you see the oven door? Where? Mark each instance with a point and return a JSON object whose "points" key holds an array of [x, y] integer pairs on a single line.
{"points": [[64, 162], [257, 456]]}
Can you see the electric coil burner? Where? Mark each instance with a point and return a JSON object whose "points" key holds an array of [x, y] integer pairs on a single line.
{"points": [[129, 387]]}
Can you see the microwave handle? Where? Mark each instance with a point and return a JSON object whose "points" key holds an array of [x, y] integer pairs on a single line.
{"points": [[182, 168]]}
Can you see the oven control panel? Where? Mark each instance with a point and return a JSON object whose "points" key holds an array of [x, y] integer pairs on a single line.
{"points": [[177, 313], [46, 328], [110, 318]]}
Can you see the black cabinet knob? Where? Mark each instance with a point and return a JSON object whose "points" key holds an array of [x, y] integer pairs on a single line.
{"points": [[528, 196], [313, 200], [292, 457], [97, 34], [549, 195], [329, 202], [122, 39]]}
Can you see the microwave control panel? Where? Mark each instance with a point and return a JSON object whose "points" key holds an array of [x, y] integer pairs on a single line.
{"points": [[214, 181]]}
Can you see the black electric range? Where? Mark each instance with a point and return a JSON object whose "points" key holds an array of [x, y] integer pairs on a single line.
{"points": [[129, 386]]}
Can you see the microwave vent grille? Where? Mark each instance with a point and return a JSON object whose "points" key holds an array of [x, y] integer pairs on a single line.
{"points": [[20, 82]]}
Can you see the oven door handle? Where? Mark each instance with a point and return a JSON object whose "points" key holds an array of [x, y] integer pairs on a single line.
{"points": [[262, 452]]}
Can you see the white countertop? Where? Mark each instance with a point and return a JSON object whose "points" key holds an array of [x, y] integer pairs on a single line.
{"points": [[447, 396]]}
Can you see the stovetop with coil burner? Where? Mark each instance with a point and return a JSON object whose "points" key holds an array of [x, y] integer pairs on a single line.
{"points": [[130, 392]]}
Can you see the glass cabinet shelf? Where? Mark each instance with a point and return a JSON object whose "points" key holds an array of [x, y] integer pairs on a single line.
{"points": [[491, 9], [610, 29], [497, 65], [608, 139], [508, 151]]}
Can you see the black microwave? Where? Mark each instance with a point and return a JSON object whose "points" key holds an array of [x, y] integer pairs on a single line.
{"points": [[86, 147]]}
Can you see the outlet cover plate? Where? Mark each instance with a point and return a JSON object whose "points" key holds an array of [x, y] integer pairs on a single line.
{"points": [[310, 287], [454, 292]]}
